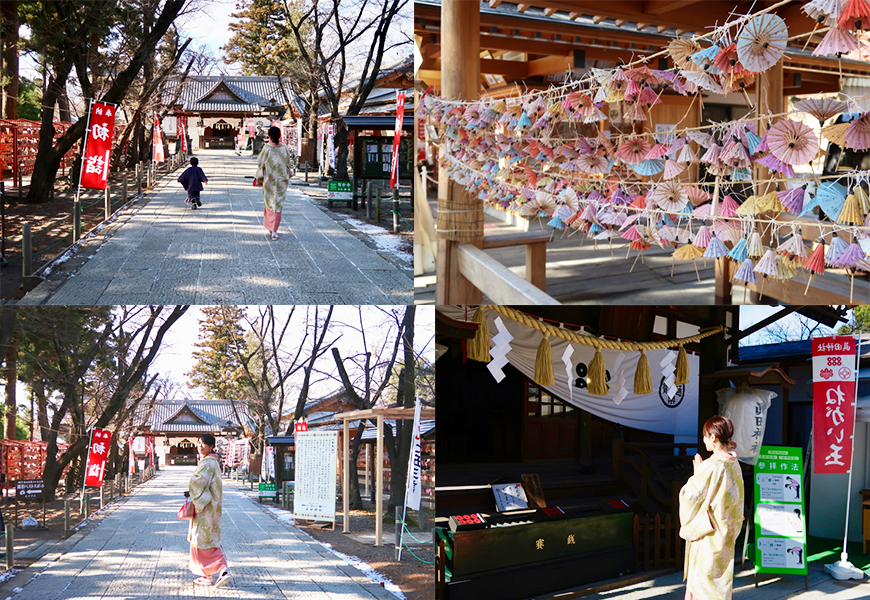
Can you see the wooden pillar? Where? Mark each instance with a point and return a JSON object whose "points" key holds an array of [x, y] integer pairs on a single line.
{"points": [[771, 100], [345, 478], [379, 483], [460, 216]]}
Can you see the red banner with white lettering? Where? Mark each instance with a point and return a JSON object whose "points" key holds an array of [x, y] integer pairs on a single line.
{"points": [[98, 147], [400, 114], [149, 445], [182, 131], [97, 453], [834, 376], [158, 155]]}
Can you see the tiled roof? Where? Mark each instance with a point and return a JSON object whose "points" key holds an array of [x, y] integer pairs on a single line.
{"points": [[211, 415], [255, 93]]}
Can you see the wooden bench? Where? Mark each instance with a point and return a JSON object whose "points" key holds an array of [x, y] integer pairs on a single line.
{"points": [[536, 252]]}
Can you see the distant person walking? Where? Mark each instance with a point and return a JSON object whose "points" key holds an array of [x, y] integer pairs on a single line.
{"points": [[274, 169], [711, 515], [192, 180], [204, 535]]}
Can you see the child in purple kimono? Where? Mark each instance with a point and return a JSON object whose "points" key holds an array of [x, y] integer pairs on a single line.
{"points": [[192, 180]]}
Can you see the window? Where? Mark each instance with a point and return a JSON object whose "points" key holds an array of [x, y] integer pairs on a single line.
{"points": [[543, 404]]}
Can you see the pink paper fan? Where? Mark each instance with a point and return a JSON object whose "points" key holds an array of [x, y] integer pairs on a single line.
{"points": [[836, 41], [776, 165], [658, 151], [792, 142], [703, 237], [728, 207], [697, 195], [858, 133], [673, 169], [633, 150]]}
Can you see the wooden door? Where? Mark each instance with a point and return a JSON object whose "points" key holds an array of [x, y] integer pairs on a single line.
{"points": [[551, 427]]}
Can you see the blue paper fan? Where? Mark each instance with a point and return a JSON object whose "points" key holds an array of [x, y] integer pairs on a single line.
{"points": [[738, 252], [741, 174], [707, 54], [652, 166], [752, 141], [830, 197]]}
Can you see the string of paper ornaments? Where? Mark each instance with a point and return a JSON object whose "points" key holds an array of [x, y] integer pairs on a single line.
{"points": [[478, 349], [511, 154]]}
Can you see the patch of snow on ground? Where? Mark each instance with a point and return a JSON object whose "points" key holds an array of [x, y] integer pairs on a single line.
{"points": [[9, 574], [353, 561], [385, 240]]}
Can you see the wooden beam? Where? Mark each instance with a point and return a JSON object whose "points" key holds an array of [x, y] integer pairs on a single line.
{"points": [[550, 65], [500, 284], [597, 19], [660, 7], [523, 7], [739, 335], [549, 12], [494, 3]]}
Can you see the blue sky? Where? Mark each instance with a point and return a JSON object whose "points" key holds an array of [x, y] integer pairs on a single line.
{"points": [[749, 315]]}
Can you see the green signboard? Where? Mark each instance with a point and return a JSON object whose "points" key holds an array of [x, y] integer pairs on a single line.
{"points": [[780, 521], [267, 490], [340, 190]]}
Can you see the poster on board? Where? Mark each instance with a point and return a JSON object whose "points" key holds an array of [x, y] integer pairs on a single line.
{"points": [[780, 515], [316, 468]]}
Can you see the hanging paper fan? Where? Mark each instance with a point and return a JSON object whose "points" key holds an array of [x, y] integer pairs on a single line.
{"points": [[793, 199], [633, 150], [823, 11], [858, 133], [794, 247], [726, 60], [738, 252], [635, 113], [822, 108], [851, 212], [854, 15], [739, 81], [836, 133], [777, 166], [669, 196], [703, 139], [704, 80], [838, 246], [703, 237], [696, 195], [680, 50], [768, 265], [746, 272], [658, 151], [688, 251], [594, 164], [649, 167], [836, 41], [643, 74], [792, 142], [830, 197], [762, 41], [849, 257], [727, 231], [754, 246], [715, 249], [673, 169]]}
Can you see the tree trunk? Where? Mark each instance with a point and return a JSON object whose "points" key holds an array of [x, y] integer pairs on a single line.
{"points": [[356, 444], [38, 390], [11, 379], [341, 138], [63, 107], [9, 26]]}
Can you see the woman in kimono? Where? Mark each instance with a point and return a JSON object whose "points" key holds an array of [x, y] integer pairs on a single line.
{"points": [[711, 515], [273, 173], [204, 535]]}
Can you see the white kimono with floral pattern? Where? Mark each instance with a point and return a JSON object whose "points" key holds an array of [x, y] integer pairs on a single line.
{"points": [[711, 515], [206, 491]]}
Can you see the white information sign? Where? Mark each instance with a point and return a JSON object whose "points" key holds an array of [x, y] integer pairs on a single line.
{"points": [[316, 468], [510, 496]]}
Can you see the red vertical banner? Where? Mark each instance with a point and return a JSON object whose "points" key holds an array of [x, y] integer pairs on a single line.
{"points": [[98, 146], [400, 115], [97, 453], [182, 131], [132, 457], [158, 155], [834, 376], [149, 445]]}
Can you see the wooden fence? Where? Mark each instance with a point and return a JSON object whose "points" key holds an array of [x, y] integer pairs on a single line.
{"points": [[658, 543]]}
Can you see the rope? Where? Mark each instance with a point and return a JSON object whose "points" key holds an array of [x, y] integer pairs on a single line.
{"points": [[597, 343], [408, 531], [411, 552]]}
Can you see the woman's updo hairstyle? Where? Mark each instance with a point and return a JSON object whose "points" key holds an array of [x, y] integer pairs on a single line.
{"points": [[721, 429], [208, 440], [274, 134]]}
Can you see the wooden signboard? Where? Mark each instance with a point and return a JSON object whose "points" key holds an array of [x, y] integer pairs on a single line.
{"points": [[316, 468], [29, 489]]}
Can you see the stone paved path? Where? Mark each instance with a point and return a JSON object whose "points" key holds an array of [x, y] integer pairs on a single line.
{"points": [[140, 551], [219, 254]]}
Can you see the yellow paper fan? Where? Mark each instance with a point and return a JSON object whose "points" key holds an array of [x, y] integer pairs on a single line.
{"points": [[688, 251], [836, 133], [771, 202], [749, 206], [851, 212]]}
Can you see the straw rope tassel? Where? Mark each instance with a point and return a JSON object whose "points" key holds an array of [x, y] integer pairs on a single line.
{"points": [[478, 348], [642, 376], [682, 374], [598, 374], [544, 363]]}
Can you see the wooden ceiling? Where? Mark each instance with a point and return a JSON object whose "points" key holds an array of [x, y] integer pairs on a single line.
{"points": [[531, 42]]}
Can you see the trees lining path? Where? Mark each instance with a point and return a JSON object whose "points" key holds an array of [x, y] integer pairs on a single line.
{"points": [[140, 551], [167, 253]]}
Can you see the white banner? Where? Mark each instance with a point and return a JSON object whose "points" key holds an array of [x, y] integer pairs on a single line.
{"points": [[267, 467], [316, 467], [658, 412], [415, 460]]}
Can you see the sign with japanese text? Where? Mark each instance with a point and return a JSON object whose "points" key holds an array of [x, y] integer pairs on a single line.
{"points": [[97, 453], [414, 488], [182, 132], [394, 165], [98, 146], [316, 468], [339, 190], [299, 137], [266, 490], [149, 448], [29, 489], [330, 141], [158, 155], [301, 425], [834, 376], [780, 516]]}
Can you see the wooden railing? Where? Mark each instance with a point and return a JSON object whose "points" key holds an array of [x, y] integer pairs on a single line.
{"points": [[496, 281], [652, 483], [658, 542]]}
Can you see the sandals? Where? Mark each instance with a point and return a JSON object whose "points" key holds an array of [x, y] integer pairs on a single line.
{"points": [[274, 235], [223, 579], [202, 581]]}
